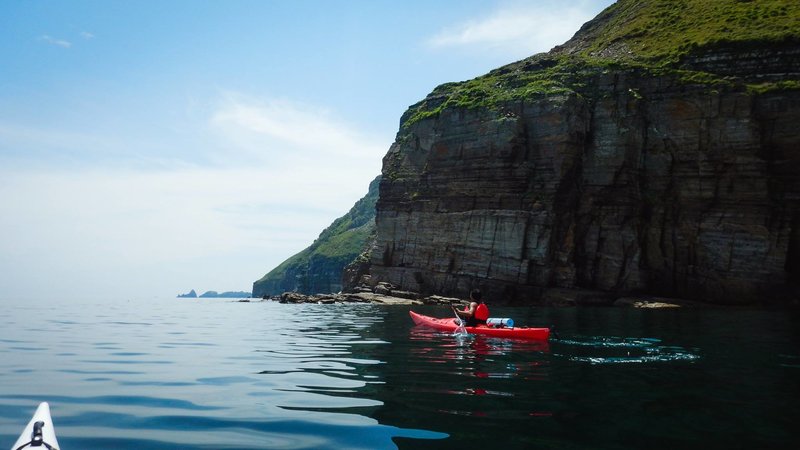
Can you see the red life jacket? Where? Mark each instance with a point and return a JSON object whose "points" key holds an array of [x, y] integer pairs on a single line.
{"points": [[481, 312]]}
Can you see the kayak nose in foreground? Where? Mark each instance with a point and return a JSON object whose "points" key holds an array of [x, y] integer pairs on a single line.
{"points": [[39, 433]]}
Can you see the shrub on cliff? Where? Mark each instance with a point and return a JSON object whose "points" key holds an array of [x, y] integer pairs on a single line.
{"points": [[318, 268]]}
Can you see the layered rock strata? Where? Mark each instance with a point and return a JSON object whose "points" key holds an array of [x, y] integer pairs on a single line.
{"points": [[629, 181]]}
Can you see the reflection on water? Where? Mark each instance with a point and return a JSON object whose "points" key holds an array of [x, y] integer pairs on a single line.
{"points": [[199, 374], [476, 363], [216, 374]]}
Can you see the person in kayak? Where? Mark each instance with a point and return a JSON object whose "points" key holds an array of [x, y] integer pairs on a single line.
{"points": [[477, 312]]}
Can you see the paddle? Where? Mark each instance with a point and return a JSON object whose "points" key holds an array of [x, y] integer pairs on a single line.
{"points": [[460, 330]]}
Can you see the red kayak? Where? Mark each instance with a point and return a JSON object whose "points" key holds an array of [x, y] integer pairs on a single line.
{"points": [[539, 334]]}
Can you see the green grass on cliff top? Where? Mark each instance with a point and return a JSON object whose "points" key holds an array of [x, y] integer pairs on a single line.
{"points": [[650, 35], [662, 31], [536, 77]]}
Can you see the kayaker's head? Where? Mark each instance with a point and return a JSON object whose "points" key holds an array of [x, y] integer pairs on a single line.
{"points": [[476, 295]]}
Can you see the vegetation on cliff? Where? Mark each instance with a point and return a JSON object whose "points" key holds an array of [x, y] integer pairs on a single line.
{"points": [[318, 268], [658, 36], [663, 32], [653, 153], [612, 189]]}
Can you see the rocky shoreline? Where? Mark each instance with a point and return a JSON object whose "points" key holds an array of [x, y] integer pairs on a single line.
{"points": [[388, 294]]}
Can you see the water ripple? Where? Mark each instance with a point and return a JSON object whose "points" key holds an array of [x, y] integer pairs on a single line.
{"points": [[622, 350], [206, 375]]}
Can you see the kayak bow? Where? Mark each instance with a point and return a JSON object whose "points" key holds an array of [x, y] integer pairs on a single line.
{"points": [[539, 334], [40, 432]]}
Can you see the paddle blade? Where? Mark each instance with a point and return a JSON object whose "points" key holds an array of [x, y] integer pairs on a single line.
{"points": [[461, 330]]}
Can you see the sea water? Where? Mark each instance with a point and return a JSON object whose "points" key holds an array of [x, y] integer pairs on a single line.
{"points": [[221, 374]]}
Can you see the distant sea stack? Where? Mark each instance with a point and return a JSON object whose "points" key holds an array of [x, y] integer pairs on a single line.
{"points": [[215, 294], [319, 268], [656, 152], [228, 294]]}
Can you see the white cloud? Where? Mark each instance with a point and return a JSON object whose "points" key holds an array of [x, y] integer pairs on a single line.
{"points": [[53, 41], [25, 145], [86, 35], [289, 170], [263, 126], [153, 215], [161, 232], [517, 30]]}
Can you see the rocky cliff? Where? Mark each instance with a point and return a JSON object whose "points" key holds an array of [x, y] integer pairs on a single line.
{"points": [[656, 152], [318, 268]]}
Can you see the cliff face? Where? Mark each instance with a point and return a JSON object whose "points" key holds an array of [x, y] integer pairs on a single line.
{"points": [[599, 168], [318, 268]]}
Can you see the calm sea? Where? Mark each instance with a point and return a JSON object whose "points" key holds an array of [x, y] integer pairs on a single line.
{"points": [[217, 374]]}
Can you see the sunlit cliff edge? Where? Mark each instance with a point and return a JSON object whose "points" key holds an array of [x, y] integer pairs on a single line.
{"points": [[657, 152]]}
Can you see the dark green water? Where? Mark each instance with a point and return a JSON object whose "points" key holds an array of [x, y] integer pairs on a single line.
{"points": [[616, 379], [214, 374]]}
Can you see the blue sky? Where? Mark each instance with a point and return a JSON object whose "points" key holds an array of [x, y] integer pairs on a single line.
{"points": [[152, 147]]}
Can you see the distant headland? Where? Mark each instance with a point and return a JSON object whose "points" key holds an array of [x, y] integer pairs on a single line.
{"points": [[215, 294]]}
